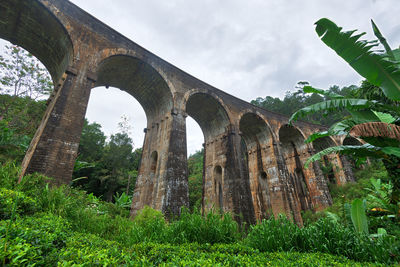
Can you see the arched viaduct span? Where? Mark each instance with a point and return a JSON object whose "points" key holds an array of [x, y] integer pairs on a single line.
{"points": [[254, 162]]}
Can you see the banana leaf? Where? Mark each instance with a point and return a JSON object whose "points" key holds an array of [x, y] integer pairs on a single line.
{"points": [[310, 89], [382, 40], [333, 105], [366, 150], [358, 216], [376, 68], [339, 128]]}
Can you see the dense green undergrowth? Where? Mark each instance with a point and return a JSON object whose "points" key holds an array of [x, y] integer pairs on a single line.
{"points": [[65, 226]]}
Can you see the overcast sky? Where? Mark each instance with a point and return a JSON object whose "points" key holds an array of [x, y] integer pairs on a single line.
{"points": [[248, 48]]}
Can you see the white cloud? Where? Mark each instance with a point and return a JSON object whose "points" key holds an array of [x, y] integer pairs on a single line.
{"points": [[247, 48]]}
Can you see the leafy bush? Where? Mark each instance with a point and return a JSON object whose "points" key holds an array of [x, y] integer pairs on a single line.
{"points": [[10, 199], [32, 240], [273, 235], [324, 236], [212, 228]]}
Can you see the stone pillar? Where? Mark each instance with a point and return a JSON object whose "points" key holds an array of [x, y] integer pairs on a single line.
{"points": [[338, 170], [276, 178], [322, 183], [347, 168], [177, 188], [225, 151], [318, 190], [259, 186], [54, 148], [162, 181], [286, 185]]}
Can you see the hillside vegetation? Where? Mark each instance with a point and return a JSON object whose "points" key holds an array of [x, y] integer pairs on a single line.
{"points": [[65, 226]]}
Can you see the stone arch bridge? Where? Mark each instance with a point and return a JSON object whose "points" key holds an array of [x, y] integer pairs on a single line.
{"points": [[254, 161]]}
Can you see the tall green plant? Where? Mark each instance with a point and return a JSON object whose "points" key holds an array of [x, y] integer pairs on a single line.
{"points": [[376, 122], [358, 216]]}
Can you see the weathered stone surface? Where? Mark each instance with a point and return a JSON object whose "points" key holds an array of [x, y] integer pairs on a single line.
{"points": [[253, 161]]}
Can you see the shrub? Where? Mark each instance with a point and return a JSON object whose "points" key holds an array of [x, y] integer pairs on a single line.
{"points": [[9, 198], [273, 235], [32, 240], [324, 236], [212, 228]]}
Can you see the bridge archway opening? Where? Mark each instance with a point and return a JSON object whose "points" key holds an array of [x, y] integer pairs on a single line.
{"points": [[258, 142], [138, 79], [29, 24], [206, 110], [326, 164], [128, 86], [292, 141], [106, 107]]}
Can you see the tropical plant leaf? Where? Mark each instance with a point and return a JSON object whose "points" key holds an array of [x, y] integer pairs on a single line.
{"points": [[310, 89], [340, 128], [396, 54], [382, 40], [376, 129], [366, 115], [394, 151], [333, 105], [366, 150], [358, 216], [384, 117], [374, 67]]}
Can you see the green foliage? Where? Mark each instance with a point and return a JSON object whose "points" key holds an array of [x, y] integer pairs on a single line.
{"points": [[195, 168], [147, 214], [21, 74], [376, 68], [300, 99], [211, 228], [324, 236], [48, 241], [264, 236], [123, 200], [110, 167], [8, 198], [33, 240], [17, 125], [358, 216], [70, 227], [370, 120]]}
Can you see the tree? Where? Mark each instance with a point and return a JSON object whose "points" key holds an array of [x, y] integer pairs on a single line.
{"points": [[195, 168], [299, 99], [109, 167], [92, 142], [376, 122], [23, 82]]}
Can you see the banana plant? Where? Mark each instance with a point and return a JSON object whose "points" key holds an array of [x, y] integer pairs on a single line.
{"points": [[370, 120]]}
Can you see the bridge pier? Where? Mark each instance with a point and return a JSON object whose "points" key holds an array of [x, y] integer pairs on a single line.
{"points": [[226, 181], [162, 181], [54, 147]]}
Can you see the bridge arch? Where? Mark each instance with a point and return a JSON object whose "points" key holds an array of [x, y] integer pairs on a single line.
{"points": [[140, 80], [29, 24], [209, 112]]}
